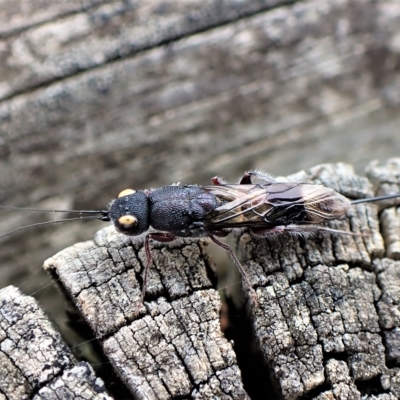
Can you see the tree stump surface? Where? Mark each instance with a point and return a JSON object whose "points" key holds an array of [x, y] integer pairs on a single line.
{"points": [[35, 363], [98, 95], [174, 348], [327, 317]]}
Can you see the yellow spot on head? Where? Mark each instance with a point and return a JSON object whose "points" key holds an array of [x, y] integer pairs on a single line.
{"points": [[126, 192], [127, 220]]}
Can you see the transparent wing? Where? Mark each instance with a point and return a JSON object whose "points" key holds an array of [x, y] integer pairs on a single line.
{"points": [[274, 204]]}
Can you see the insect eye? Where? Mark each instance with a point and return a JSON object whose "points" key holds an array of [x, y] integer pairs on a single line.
{"points": [[126, 192], [127, 221]]}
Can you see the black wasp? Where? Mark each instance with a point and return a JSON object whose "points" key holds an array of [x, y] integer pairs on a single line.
{"points": [[266, 208]]}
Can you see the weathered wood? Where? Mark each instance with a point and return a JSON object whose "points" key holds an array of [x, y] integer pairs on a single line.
{"points": [[76, 383], [327, 317], [174, 347], [76, 36], [386, 178], [101, 95], [34, 360], [106, 95], [326, 320]]}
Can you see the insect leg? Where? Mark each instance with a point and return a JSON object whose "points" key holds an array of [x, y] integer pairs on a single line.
{"points": [[217, 181], [238, 265], [160, 237], [262, 176], [246, 178]]}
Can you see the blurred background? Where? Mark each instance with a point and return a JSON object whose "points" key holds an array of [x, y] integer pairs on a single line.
{"points": [[98, 96]]}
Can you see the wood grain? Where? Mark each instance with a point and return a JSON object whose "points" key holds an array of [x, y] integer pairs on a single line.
{"points": [[324, 302], [326, 318], [281, 87], [35, 362], [98, 96]]}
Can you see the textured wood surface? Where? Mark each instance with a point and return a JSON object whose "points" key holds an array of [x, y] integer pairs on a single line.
{"points": [[97, 96], [326, 320], [100, 96], [174, 347], [35, 363], [328, 317]]}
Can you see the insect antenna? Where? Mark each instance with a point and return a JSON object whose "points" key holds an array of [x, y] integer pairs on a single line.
{"points": [[372, 199], [100, 214], [48, 223], [55, 211]]}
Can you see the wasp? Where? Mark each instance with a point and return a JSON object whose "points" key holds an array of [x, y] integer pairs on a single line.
{"points": [[265, 208]]}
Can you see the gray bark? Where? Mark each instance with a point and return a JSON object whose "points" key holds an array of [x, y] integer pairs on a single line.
{"points": [[34, 360], [175, 346], [326, 318], [328, 306], [96, 96], [102, 95]]}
